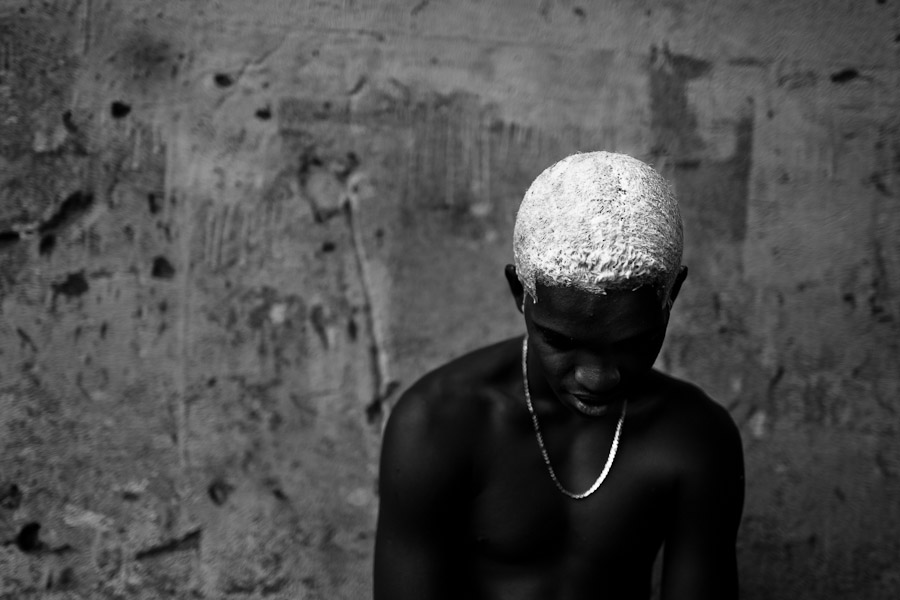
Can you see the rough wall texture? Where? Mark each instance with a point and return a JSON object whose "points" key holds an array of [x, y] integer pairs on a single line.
{"points": [[231, 231]]}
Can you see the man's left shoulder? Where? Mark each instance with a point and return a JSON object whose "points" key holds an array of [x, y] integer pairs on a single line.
{"points": [[696, 425]]}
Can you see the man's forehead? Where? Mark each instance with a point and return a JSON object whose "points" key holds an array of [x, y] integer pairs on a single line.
{"points": [[561, 307], [560, 297]]}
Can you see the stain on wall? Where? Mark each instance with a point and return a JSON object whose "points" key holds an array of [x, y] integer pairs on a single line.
{"points": [[231, 235]]}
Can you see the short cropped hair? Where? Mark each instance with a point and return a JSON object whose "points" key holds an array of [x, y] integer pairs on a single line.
{"points": [[599, 221]]}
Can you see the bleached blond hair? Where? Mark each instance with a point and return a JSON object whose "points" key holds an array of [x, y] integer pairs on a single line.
{"points": [[599, 221]]}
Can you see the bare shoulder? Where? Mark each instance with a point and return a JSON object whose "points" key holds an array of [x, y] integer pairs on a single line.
{"points": [[694, 426], [438, 420], [701, 448], [426, 475], [458, 392]]}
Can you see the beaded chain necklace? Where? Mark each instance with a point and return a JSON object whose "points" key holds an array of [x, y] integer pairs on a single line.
{"points": [[540, 438]]}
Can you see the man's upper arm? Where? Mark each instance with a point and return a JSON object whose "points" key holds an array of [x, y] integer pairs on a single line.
{"points": [[699, 555], [422, 478]]}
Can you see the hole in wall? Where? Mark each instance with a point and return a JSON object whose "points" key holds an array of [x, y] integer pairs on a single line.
{"points": [[27, 540], [10, 496], [219, 491], [374, 411], [47, 244], [68, 123], [119, 109], [75, 284], [844, 76], [75, 203], [8, 238], [162, 268], [223, 80]]}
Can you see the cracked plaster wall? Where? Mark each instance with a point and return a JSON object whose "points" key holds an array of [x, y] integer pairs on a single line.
{"points": [[231, 232]]}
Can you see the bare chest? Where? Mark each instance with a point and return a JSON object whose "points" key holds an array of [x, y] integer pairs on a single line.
{"points": [[519, 517]]}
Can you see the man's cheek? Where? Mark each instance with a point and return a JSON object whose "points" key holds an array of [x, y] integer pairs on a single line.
{"points": [[552, 372]]}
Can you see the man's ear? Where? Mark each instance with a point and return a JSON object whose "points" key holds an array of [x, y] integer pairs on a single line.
{"points": [[676, 286], [515, 286]]}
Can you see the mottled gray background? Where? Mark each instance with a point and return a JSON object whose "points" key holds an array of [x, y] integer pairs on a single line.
{"points": [[232, 231]]}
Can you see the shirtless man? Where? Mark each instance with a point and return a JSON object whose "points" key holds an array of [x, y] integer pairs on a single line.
{"points": [[555, 466]]}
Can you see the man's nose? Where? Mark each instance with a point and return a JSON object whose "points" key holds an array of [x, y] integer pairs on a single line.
{"points": [[597, 377]]}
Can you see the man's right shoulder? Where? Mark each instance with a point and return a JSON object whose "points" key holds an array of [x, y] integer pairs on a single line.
{"points": [[430, 439], [454, 397], [439, 398]]}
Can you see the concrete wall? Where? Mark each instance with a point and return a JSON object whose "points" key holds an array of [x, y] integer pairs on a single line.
{"points": [[231, 231]]}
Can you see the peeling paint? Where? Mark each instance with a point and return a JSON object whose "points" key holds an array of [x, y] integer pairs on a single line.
{"points": [[73, 286], [758, 424], [74, 516]]}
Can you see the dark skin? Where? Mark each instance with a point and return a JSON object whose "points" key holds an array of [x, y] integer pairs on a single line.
{"points": [[468, 509]]}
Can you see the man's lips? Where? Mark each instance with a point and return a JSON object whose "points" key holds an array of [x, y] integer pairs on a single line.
{"points": [[596, 399], [591, 410], [592, 405]]}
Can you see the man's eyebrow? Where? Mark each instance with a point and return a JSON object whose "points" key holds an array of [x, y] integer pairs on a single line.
{"points": [[648, 332]]}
